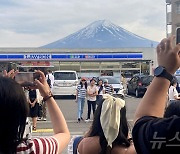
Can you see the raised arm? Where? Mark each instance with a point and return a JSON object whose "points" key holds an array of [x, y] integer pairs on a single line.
{"points": [[153, 102], [58, 121], [88, 91], [96, 92]]}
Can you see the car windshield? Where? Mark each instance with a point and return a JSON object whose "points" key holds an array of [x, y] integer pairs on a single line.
{"points": [[128, 75], [64, 76], [112, 80], [147, 79]]}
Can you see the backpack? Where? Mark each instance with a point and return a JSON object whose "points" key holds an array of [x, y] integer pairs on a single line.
{"points": [[49, 81]]}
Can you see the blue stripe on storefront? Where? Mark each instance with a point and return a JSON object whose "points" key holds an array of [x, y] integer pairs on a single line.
{"points": [[105, 56], [87, 56], [120, 56], [96, 56], [135, 56], [15, 56], [3, 56], [58, 56]]}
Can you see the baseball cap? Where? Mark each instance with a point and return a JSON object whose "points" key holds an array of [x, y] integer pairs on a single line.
{"points": [[83, 79], [105, 80]]}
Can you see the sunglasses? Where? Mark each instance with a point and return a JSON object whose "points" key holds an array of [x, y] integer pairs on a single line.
{"points": [[83, 80]]}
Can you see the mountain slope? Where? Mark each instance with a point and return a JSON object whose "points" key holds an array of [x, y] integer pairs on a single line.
{"points": [[102, 34]]}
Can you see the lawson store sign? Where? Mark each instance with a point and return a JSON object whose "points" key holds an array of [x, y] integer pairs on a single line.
{"points": [[72, 57]]}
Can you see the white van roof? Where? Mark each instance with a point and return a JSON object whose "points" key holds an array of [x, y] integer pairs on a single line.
{"points": [[65, 71]]}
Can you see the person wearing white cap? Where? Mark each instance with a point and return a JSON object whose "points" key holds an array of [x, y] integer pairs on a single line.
{"points": [[108, 88], [109, 132]]}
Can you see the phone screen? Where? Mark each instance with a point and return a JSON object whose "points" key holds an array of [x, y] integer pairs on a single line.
{"points": [[178, 35], [25, 79]]}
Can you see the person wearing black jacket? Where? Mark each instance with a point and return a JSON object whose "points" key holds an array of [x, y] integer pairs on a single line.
{"points": [[152, 133]]}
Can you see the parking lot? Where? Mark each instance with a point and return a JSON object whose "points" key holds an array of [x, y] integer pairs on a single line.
{"points": [[69, 109]]}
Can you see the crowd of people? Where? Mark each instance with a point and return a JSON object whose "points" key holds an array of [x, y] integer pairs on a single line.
{"points": [[93, 93], [156, 126]]}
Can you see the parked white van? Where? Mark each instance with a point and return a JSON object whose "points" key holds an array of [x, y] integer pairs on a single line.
{"points": [[65, 83]]}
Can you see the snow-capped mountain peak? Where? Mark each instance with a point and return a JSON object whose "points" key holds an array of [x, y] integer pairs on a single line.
{"points": [[95, 27], [101, 34]]}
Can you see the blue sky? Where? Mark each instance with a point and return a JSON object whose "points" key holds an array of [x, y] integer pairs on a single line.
{"points": [[33, 23]]}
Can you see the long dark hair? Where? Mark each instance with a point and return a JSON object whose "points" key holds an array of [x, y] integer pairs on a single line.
{"points": [[13, 113], [96, 130], [101, 87], [84, 84], [173, 109]]}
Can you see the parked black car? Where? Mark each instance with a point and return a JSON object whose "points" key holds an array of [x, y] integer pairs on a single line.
{"points": [[138, 84]]}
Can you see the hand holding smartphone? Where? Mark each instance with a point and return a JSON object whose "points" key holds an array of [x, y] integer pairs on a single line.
{"points": [[26, 79]]}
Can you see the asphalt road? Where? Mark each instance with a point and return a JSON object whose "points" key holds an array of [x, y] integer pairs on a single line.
{"points": [[69, 108]]}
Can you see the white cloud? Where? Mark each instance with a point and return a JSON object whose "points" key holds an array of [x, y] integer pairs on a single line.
{"points": [[38, 22]]}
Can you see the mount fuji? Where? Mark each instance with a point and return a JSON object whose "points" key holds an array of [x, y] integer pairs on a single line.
{"points": [[102, 34]]}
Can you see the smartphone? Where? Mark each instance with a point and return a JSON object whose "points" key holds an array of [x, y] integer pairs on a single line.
{"points": [[178, 35], [26, 79]]}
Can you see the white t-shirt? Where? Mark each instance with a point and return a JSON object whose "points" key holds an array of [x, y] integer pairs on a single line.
{"points": [[101, 92], [172, 92], [92, 90]]}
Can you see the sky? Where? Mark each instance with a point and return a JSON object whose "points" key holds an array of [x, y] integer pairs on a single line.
{"points": [[33, 23]]}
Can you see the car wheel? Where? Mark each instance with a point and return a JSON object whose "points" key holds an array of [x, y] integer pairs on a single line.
{"points": [[137, 93]]}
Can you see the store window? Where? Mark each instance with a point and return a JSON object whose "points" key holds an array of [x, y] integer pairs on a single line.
{"points": [[178, 8], [75, 66], [90, 66], [145, 68], [106, 73], [131, 65], [110, 66]]}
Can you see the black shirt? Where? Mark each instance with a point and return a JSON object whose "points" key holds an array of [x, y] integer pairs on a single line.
{"points": [[32, 95], [152, 135]]}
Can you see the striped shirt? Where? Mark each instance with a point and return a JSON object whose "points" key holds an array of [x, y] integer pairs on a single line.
{"points": [[81, 91], [108, 89], [41, 145]]}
